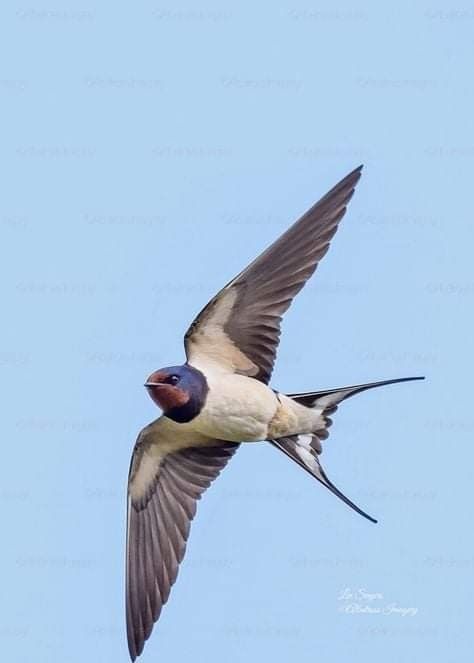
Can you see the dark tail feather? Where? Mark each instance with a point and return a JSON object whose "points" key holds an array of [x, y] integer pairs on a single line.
{"points": [[304, 449], [291, 447], [332, 397]]}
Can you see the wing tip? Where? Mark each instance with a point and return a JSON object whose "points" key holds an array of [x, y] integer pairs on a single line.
{"points": [[355, 174], [353, 178], [132, 647], [343, 191]]}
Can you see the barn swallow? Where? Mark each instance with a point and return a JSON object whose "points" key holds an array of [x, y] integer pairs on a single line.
{"points": [[221, 397]]}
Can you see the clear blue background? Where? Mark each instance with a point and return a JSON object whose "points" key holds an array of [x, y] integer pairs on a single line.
{"points": [[148, 153]]}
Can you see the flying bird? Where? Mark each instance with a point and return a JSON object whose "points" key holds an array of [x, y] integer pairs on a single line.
{"points": [[219, 398]]}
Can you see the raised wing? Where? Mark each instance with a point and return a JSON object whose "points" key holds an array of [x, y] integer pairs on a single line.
{"points": [[240, 327], [164, 486]]}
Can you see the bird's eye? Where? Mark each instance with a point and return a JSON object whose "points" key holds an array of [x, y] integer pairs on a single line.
{"points": [[173, 379]]}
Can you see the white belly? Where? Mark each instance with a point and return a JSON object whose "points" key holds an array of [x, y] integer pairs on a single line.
{"points": [[237, 409]]}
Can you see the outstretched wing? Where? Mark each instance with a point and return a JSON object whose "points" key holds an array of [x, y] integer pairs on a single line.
{"points": [[164, 486], [240, 327]]}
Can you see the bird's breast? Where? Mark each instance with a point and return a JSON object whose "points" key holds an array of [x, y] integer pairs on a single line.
{"points": [[237, 409]]}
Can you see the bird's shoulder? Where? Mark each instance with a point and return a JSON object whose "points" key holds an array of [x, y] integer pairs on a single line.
{"points": [[156, 441]]}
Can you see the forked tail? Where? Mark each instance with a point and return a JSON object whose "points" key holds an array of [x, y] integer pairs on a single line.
{"points": [[305, 448]]}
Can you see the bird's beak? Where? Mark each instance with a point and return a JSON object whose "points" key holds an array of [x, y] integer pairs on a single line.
{"points": [[153, 384]]}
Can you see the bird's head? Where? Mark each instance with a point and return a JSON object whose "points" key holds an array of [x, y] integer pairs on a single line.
{"points": [[180, 391]]}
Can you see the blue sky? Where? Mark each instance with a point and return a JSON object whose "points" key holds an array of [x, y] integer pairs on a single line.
{"points": [[149, 152]]}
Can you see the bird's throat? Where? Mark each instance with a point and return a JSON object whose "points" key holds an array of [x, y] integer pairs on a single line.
{"points": [[167, 396]]}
